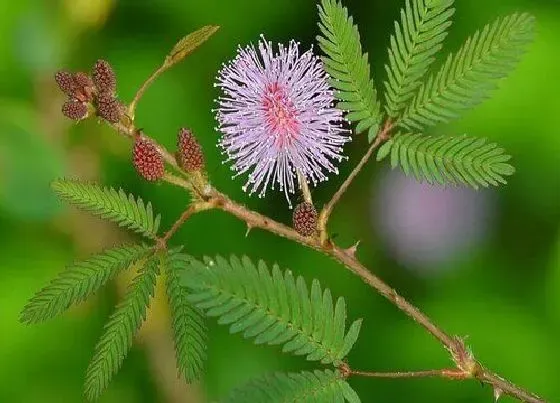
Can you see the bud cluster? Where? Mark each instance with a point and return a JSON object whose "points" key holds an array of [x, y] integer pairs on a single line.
{"points": [[80, 90], [91, 92], [98, 93]]}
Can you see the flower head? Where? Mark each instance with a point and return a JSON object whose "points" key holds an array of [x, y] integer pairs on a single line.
{"points": [[278, 119]]}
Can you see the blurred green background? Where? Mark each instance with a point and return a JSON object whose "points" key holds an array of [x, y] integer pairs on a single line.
{"points": [[500, 285]]}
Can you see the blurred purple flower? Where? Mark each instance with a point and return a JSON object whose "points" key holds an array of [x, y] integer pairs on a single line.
{"points": [[277, 117], [429, 226]]}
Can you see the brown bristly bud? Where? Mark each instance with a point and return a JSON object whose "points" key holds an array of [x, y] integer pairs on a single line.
{"points": [[190, 155], [75, 110], [147, 160], [305, 219], [65, 81], [104, 77], [84, 87], [109, 108], [82, 80]]}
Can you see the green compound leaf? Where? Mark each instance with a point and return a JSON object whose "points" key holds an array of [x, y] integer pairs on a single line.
{"points": [[108, 203], [348, 67], [456, 160], [272, 308], [311, 387], [80, 280], [416, 40], [467, 77], [115, 342], [189, 328]]}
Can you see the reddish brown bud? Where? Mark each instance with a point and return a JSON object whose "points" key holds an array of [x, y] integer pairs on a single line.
{"points": [[109, 108], [84, 87], [104, 77], [147, 160], [75, 110], [190, 155], [82, 80], [65, 82], [305, 219]]}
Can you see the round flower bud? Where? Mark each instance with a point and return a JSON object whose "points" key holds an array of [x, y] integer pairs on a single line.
{"points": [[190, 155], [305, 219], [104, 77], [75, 110], [147, 160]]}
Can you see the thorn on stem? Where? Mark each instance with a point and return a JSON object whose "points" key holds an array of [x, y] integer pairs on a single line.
{"points": [[249, 228], [353, 249], [497, 393]]}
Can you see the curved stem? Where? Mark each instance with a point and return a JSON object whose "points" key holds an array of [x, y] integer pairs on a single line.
{"points": [[382, 136], [143, 88]]}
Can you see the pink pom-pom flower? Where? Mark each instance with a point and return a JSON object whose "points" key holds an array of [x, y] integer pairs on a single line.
{"points": [[277, 118]]}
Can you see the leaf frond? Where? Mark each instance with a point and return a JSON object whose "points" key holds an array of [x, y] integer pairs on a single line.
{"points": [[417, 38], [119, 331], [80, 280], [468, 76], [272, 307], [108, 203], [348, 67], [455, 160], [189, 327], [317, 386]]}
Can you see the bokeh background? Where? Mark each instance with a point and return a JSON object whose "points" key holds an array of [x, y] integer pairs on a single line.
{"points": [[482, 264]]}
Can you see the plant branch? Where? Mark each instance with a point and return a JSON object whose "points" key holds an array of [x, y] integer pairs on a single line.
{"points": [[467, 365], [189, 212], [382, 136], [143, 88], [177, 224], [209, 198], [435, 373], [502, 386]]}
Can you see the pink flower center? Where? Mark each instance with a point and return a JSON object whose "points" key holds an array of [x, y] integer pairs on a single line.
{"points": [[280, 115]]}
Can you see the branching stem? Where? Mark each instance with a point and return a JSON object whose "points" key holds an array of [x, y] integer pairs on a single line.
{"points": [[467, 367]]}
